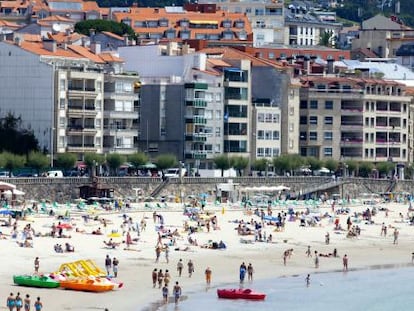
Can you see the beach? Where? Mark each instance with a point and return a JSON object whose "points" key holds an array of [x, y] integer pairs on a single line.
{"points": [[367, 251]]}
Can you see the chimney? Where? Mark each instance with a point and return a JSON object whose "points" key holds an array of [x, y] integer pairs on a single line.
{"points": [[49, 45], [306, 65], [330, 62], [84, 41], [156, 10], [18, 40], [68, 31], [96, 47]]}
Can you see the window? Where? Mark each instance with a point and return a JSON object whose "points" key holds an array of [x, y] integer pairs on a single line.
{"points": [[62, 103], [218, 114], [276, 135], [313, 135], [62, 84], [313, 104], [268, 152], [329, 104], [209, 131], [276, 152], [218, 131], [260, 134], [61, 141], [260, 152], [208, 114], [98, 142], [62, 122], [217, 148], [98, 123], [327, 152], [313, 120], [327, 136], [303, 104], [329, 120], [275, 118], [98, 86], [303, 120], [260, 117], [271, 55], [218, 97], [303, 135], [268, 135]]}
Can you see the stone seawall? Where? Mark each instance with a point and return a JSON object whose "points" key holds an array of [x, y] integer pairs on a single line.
{"points": [[67, 189]]}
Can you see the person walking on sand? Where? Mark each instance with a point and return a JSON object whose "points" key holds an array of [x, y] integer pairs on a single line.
{"points": [[242, 272], [250, 271], [177, 292], [115, 263], [108, 264], [160, 277], [167, 253], [165, 291], [180, 267], [208, 275], [396, 233], [36, 265], [316, 260], [307, 280], [19, 302], [157, 253], [345, 262], [38, 304], [154, 277], [327, 238], [190, 266], [11, 302], [26, 303], [308, 252], [167, 277]]}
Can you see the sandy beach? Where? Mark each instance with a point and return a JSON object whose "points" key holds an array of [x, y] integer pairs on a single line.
{"points": [[367, 251]]}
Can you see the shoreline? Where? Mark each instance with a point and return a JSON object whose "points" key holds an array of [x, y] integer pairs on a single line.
{"points": [[157, 305]]}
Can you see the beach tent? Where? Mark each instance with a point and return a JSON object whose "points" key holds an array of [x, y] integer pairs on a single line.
{"points": [[14, 191]]}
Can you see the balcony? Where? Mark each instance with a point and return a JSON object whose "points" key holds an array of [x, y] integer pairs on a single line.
{"points": [[196, 137], [81, 130], [196, 102], [112, 114], [199, 155], [81, 148], [74, 90], [80, 111], [351, 141], [196, 120], [196, 85]]}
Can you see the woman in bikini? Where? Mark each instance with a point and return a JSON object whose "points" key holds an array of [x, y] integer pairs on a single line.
{"points": [[27, 303], [11, 302], [18, 302]]}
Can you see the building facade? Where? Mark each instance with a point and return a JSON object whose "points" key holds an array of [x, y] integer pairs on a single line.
{"points": [[354, 118]]}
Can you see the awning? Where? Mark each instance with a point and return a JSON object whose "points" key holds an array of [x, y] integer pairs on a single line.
{"points": [[6, 186], [204, 22]]}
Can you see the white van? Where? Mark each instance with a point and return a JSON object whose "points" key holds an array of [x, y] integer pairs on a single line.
{"points": [[54, 174], [175, 172]]}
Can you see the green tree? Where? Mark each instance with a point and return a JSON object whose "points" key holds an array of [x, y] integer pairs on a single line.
{"points": [[288, 163], [137, 159], [92, 160], [14, 138], [66, 161], [331, 165], [12, 161], [114, 161], [100, 25], [239, 164], [352, 166], [38, 161], [222, 162], [365, 169], [165, 161], [327, 38], [260, 165], [314, 163], [384, 168]]}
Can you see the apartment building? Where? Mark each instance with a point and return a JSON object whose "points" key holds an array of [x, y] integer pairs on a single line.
{"points": [[58, 90], [304, 29], [178, 24], [383, 36], [354, 118], [266, 18], [181, 107]]}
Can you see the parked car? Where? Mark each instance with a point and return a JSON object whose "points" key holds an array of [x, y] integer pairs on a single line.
{"points": [[6, 174], [54, 174]]}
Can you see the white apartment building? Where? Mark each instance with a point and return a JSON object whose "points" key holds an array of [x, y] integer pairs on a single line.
{"points": [[59, 93], [266, 18], [266, 131]]}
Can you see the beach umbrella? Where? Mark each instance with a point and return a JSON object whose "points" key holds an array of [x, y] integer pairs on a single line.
{"points": [[5, 212], [64, 226]]}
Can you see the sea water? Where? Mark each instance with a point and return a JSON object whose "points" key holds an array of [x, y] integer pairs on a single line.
{"points": [[374, 289]]}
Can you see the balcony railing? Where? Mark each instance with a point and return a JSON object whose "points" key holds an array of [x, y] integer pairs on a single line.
{"points": [[196, 102]]}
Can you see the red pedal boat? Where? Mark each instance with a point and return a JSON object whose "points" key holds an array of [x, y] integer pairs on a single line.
{"points": [[240, 294]]}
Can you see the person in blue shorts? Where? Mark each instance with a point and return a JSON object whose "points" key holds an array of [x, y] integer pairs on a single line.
{"points": [[177, 292]]}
